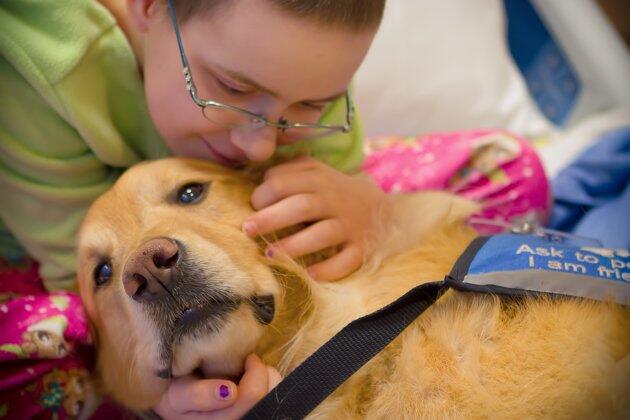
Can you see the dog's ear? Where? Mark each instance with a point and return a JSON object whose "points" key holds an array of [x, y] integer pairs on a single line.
{"points": [[460, 209], [406, 219], [421, 212]]}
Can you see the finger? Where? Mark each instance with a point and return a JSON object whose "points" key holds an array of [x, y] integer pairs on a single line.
{"points": [[189, 394], [278, 187], [302, 163], [337, 266], [329, 232], [288, 212], [252, 388]]}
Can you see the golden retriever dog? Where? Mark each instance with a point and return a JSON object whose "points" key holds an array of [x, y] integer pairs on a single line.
{"points": [[172, 286]]}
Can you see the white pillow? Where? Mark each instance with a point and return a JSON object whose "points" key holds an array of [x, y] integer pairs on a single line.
{"points": [[443, 65]]}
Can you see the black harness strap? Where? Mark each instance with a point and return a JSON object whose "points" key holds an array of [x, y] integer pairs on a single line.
{"points": [[319, 375]]}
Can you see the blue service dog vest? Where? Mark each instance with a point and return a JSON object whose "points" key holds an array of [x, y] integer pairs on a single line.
{"points": [[517, 264]]}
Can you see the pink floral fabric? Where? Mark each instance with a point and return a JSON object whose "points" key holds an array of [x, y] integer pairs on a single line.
{"points": [[495, 168], [46, 352]]}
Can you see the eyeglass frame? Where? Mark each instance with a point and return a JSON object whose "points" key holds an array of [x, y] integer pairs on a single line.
{"points": [[258, 120]]}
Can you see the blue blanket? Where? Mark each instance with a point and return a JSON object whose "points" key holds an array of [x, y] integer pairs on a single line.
{"points": [[592, 195]]}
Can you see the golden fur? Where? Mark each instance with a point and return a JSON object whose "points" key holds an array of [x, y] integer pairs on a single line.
{"points": [[468, 356]]}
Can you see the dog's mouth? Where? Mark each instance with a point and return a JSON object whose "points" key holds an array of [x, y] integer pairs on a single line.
{"points": [[207, 320], [198, 306], [202, 320]]}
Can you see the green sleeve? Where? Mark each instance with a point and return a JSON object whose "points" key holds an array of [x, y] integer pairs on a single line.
{"points": [[73, 116], [48, 178]]}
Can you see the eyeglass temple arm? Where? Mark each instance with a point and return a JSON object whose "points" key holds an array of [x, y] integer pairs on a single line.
{"points": [[188, 76], [350, 108]]}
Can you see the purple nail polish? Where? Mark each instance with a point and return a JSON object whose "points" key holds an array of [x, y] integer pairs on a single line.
{"points": [[269, 253], [224, 392]]}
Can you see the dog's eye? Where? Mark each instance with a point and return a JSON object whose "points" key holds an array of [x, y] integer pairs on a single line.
{"points": [[190, 193], [102, 273]]}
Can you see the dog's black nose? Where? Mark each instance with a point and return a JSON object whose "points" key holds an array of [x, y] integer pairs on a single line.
{"points": [[149, 272]]}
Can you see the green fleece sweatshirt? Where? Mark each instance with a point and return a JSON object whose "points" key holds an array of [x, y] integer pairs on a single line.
{"points": [[73, 116]]}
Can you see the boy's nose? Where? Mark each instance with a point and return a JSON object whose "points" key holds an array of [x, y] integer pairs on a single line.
{"points": [[257, 144]]}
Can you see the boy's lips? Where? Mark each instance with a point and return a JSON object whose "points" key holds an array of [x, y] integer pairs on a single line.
{"points": [[220, 157]]}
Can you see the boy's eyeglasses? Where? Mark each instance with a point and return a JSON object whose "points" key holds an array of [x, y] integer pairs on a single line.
{"points": [[230, 116]]}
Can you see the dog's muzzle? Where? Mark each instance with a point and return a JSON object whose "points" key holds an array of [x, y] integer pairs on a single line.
{"points": [[183, 298]]}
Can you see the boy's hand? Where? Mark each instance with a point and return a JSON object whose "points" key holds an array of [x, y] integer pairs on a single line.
{"points": [[192, 398], [340, 207]]}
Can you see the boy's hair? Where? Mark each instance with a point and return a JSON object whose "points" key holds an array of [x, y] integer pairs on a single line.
{"points": [[356, 15]]}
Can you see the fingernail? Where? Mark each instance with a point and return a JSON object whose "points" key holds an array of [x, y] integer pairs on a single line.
{"points": [[269, 253], [249, 227], [223, 392]]}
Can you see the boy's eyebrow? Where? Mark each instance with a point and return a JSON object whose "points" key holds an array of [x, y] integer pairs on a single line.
{"points": [[246, 80]]}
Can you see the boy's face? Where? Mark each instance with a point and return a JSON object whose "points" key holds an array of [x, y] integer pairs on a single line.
{"points": [[248, 55]]}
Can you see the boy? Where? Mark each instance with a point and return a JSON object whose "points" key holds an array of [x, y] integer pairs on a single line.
{"points": [[88, 90]]}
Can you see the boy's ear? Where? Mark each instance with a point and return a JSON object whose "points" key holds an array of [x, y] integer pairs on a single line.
{"points": [[140, 11]]}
